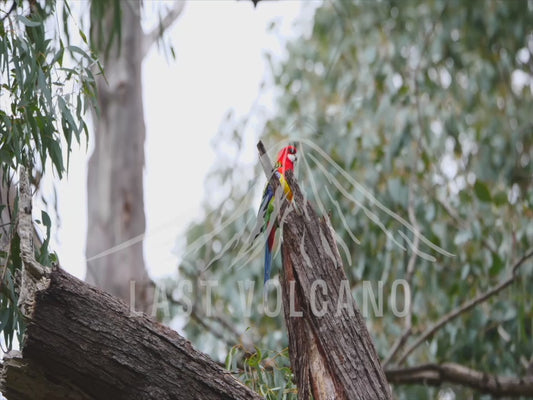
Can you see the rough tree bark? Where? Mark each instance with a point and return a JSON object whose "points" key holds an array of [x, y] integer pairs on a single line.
{"points": [[332, 354], [7, 201], [82, 343], [116, 219], [8, 193]]}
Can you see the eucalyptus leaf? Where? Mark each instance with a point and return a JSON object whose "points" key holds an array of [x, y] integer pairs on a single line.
{"points": [[482, 191], [27, 21]]}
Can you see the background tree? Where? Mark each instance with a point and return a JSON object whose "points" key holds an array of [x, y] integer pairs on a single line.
{"points": [[424, 108], [116, 220]]}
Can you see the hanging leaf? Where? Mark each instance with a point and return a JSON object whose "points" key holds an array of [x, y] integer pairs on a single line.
{"points": [[28, 22], [482, 191], [43, 254]]}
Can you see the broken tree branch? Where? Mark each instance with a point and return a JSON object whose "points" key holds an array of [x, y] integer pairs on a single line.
{"points": [[438, 374], [87, 338], [172, 15]]}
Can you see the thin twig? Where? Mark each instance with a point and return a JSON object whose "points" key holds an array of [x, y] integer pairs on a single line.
{"points": [[464, 307], [521, 261], [201, 318], [398, 344], [13, 7], [219, 335], [462, 224], [151, 37]]}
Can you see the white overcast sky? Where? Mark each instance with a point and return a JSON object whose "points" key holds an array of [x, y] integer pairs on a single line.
{"points": [[220, 64]]}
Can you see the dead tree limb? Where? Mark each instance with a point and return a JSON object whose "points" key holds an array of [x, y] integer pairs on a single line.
{"points": [[86, 339], [332, 354]]}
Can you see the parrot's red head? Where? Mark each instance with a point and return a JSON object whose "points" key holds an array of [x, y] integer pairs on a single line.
{"points": [[286, 159]]}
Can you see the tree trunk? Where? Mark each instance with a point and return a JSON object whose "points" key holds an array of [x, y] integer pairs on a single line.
{"points": [[342, 360], [332, 354], [116, 220]]}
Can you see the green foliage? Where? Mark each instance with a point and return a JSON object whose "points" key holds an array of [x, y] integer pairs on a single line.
{"points": [[11, 323], [46, 88], [268, 373], [43, 98], [424, 107], [43, 254]]}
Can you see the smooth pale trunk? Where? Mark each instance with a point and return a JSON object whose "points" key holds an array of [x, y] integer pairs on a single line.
{"points": [[115, 172]]}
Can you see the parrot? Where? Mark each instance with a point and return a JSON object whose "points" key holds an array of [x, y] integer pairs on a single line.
{"points": [[285, 162]]}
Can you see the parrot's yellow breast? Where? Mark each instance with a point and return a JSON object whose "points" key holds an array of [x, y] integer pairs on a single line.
{"points": [[286, 188]]}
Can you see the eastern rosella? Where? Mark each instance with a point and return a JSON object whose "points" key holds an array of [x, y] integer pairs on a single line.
{"points": [[285, 162]]}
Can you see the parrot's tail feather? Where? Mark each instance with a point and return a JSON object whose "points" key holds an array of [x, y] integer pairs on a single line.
{"points": [[268, 263], [268, 252]]}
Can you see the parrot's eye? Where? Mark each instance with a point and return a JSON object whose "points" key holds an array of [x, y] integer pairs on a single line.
{"points": [[292, 150]]}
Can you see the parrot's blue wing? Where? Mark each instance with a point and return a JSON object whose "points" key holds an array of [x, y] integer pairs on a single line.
{"points": [[261, 223]]}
